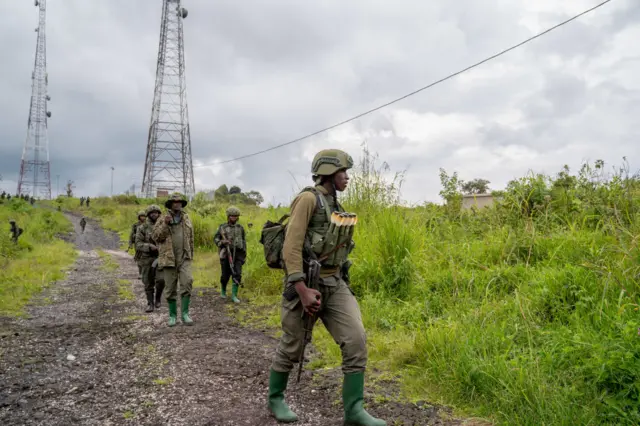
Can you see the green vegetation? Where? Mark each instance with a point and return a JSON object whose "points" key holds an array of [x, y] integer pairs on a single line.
{"points": [[39, 257], [523, 313], [124, 290], [163, 381]]}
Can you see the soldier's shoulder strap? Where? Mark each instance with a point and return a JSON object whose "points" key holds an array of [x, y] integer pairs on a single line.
{"points": [[321, 200]]}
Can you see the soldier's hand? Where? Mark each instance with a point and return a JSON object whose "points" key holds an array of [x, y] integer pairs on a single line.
{"points": [[167, 219], [153, 248], [225, 242], [310, 298]]}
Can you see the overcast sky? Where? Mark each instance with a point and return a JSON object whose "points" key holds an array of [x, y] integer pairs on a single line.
{"points": [[261, 73]]}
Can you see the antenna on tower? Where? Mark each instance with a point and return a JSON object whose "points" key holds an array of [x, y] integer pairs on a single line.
{"points": [[168, 166], [35, 179]]}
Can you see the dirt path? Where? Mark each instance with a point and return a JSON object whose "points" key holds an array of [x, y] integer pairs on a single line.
{"points": [[87, 354]]}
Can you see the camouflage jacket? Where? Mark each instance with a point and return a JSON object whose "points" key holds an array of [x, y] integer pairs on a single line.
{"points": [[163, 236], [235, 234], [132, 235], [144, 241], [238, 242]]}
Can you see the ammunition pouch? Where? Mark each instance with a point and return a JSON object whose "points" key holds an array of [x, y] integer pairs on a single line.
{"points": [[344, 271]]}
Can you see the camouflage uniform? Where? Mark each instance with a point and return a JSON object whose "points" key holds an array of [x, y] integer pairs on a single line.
{"points": [[152, 276], [132, 240], [83, 224], [306, 231], [175, 246], [237, 247]]}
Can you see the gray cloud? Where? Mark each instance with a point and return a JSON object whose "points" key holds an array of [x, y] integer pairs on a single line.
{"points": [[261, 73]]}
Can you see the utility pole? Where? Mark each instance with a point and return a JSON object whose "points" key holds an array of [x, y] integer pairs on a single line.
{"points": [[112, 180], [168, 165], [57, 185], [35, 178]]}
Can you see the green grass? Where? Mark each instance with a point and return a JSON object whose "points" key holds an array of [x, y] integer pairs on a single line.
{"points": [[38, 259], [525, 313], [124, 290], [163, 381], [108, 264]]}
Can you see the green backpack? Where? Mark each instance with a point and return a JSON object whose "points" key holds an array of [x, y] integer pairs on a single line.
{"points": [[272, 235], [272, 240]]}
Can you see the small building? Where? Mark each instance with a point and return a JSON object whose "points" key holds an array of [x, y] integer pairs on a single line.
{"points": [[476, 200]]}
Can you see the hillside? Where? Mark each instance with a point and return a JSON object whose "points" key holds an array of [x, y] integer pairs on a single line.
{"points": [[524, 313]]}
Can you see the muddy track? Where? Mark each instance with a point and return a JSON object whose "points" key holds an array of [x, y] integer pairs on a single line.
{"points": [[87, 354]]}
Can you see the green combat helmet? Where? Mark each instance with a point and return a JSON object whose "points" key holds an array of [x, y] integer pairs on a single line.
{"points": [[330, 161], [176, 196], [233, 211], [141, 213], [153, 208]]}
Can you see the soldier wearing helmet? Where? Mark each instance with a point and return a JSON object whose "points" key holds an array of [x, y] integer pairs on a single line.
{"points": [[147, 250], [307, 234], [15, 231], [132, 239], [174, 235], [232, 245]]}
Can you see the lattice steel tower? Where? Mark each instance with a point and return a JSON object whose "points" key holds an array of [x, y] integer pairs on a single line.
{"points": [[35, 178], [168, 165]]}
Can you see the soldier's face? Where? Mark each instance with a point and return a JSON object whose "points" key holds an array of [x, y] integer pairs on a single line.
{"points": [[176, 206], [141, 218], [233, 219], [341, 180], [154, 216]]}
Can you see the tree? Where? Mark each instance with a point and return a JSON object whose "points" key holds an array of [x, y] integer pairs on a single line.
{"points": [[255, 196], [70, 187], [235, 190], [222, 191], [476, 186]]}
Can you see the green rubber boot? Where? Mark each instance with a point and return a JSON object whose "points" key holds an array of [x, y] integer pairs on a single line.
{"points": [[277, 406], [353, 398], [223, 291], [173, 312], [185, 310], [234, 293]]}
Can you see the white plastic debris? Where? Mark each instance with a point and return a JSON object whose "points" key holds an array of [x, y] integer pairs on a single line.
{"points": [[71, 357]]}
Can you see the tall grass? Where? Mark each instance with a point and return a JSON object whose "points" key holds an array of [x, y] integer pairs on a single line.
{"points": [[524, 313], [36, 260]]}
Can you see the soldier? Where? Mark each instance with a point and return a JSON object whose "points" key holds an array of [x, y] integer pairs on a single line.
{"points": [[32, 200], [81, 201], [333, 301], [83, 223], [3, 195], [231, 241], [15, 231], [174, 236], [147, 250], [88, 200], [132, 239]]}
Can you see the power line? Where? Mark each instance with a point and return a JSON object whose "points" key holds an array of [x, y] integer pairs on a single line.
{"points": [[450, 76]]}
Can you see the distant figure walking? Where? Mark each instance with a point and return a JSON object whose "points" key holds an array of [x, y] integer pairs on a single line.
{"points": [[83, 223], [15, 231]]}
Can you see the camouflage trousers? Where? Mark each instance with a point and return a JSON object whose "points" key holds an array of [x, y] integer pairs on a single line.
{"points": [[341, 316], [153, 280], [172, 276]]}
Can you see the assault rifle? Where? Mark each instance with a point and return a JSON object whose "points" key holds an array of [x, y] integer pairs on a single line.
{"points": [[234, 277], [309, 319]]}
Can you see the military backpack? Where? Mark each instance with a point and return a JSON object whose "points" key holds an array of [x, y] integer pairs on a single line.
{"points": [[272, 234]]}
